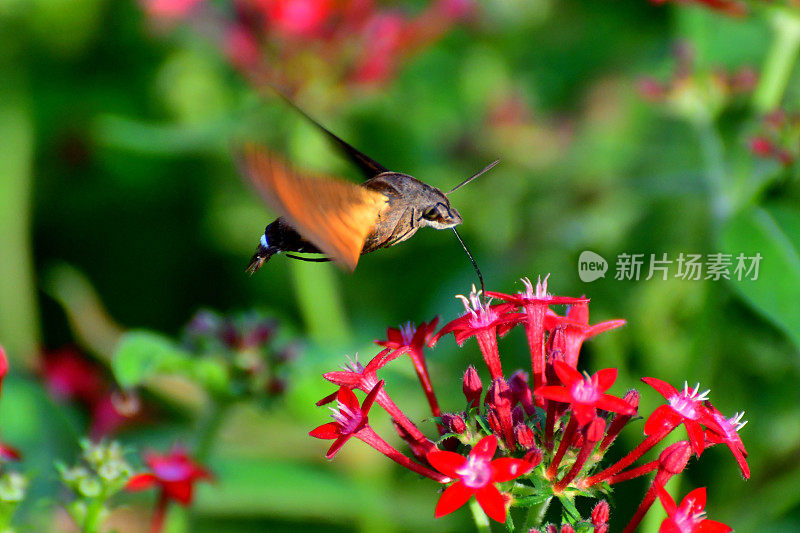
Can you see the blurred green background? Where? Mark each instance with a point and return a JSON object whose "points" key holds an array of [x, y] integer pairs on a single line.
{"points": [[120, 207]]}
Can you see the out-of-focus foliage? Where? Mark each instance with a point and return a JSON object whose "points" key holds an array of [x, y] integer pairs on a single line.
{"points": [[115, 159]]}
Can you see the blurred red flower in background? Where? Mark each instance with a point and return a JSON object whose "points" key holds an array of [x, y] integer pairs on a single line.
{"points": [[292, 43], [71, 376]]}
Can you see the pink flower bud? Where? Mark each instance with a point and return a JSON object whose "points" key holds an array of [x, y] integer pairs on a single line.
{"points": [[761, 146], [600, 514], [534, 456], [675, 457], [632, 397], [596, 430], [494, 421], [499, 395], [454, 423], [473, 388], [524, 436], [651, 90], [521, 391]]}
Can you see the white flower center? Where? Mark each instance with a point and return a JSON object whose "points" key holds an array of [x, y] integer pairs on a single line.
{"points": [[476, 472]]}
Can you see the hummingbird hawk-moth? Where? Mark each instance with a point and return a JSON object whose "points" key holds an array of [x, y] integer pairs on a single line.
{"points": [[343, 220]]}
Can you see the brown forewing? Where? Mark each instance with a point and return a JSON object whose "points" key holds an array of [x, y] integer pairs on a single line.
{"points": [[333, 214]]}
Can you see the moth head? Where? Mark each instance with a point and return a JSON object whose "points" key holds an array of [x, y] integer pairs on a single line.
{"points": [[439, 214]]}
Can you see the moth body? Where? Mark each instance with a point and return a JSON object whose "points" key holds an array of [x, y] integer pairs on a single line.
{"points": [[408, 205], [342, 220]]}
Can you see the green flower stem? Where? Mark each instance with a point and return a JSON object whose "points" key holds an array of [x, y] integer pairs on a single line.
{"points": [[318, 295], [6, 514], [95, 515], [209, 429], [159, 517], [716, 179], [478, 516], [19, 327], [780, 60]]}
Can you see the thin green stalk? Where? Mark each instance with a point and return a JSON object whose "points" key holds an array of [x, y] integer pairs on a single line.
{"points": [[318, 296], [780, 60], [19, 328], [209, 430], [478, 516], [95, 515], [716, 179]]}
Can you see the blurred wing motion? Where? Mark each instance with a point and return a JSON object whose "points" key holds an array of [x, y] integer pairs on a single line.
{"points": [[335, 215]]}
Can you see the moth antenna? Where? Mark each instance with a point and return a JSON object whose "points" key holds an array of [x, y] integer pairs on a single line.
{"points": [[474, 264], [485, 169]]}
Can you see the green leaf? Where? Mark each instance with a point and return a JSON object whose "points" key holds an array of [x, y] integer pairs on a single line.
{"points": [[211, 374], [509, 523], [141, 354], [484, 425], [530, 501], [570, 512], [775, 234]]}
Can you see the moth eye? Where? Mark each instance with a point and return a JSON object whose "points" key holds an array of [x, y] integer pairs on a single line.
{"points": [[430, 214]]}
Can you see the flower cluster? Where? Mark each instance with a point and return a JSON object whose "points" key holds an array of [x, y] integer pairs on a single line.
{"points": [[102, 473], [255, 359], [13, 487], [694, 93], [528, 442], [355, 43], [777, 137]]}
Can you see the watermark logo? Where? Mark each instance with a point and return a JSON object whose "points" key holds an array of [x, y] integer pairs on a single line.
{"points": [[685, 266], [591, 266]]}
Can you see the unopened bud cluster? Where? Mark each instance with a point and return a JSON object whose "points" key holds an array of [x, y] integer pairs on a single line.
{"points": [[102, 473], [255, 358]]}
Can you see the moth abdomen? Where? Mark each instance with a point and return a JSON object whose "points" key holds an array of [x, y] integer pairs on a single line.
{"points": [[278, 237]]}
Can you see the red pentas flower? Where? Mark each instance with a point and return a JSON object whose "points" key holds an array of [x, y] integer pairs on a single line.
{"points": [[689, 516], [485, 322], [365, 378], [385, 33], [409, 337], [301, 18], [171, 9], [684, 407], [476, 474], [536, 303], [728, 434], [479, 317], [412, 340], [349, 418], [579, 416], [576, 328], [71, 376], [585, 394], [175, 473]]}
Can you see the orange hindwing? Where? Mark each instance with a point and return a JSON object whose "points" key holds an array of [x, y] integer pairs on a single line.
{"points": [[335, 215]]}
